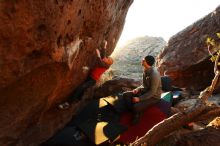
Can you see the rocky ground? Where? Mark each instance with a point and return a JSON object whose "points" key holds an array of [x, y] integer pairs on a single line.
{"points": [[190, 134]]}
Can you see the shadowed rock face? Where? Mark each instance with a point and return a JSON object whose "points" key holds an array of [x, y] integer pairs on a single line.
{"points": [[208, 136], [116, 86], [186, 57], [43, 47]]}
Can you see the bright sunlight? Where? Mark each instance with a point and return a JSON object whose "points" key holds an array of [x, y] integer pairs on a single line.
{"points": [[163, 18]]}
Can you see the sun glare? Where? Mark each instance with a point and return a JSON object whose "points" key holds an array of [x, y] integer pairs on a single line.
{"points": [[163, 18]]}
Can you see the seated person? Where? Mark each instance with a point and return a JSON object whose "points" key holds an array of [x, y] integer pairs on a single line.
{"points": [[148, 93]]}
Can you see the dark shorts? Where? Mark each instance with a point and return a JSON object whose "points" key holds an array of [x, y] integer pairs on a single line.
{"points": [[140, 106]]}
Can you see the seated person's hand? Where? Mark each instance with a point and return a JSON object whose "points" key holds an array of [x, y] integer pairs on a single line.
{"points": [[135, 91], [135, 99]]}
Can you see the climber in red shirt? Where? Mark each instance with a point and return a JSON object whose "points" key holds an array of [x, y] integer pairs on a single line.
{"points": [[102, 65]]}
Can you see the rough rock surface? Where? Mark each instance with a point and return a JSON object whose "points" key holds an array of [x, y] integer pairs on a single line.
{"points": [[116, 86], [186, 57], [209, 136], [44, 45], [128, 57]]}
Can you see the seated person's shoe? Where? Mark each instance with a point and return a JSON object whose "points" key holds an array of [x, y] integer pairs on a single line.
{"points": [[136, 118], [64, 105]]}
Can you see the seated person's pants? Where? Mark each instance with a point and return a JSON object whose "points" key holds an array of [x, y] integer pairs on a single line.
{"points": [[140, 106]]}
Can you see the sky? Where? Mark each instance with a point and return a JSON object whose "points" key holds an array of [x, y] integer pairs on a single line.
{"points": [[163, 18]]}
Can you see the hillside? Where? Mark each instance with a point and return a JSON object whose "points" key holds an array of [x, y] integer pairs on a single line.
{"points": [[127, 58]]}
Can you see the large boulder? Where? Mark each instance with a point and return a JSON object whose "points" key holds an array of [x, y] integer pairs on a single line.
{"points": [[44, 46], [186, 57], [116, 86], [209, 136]]}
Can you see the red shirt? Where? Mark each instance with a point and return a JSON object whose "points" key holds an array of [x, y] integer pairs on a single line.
{"points": [[97, 72]]}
